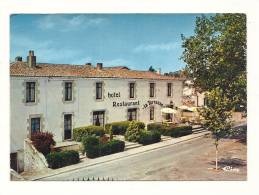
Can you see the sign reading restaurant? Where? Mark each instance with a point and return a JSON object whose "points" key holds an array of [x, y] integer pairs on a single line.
{"points": [[123, 103]]}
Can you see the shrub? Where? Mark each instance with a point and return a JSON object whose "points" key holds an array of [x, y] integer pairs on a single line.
{"points": [[120, 128], [91, 144], [80, 132], [140, 125], [169, 130], [149, 137], [43, 141], [117, 146], [61, 159], [154, 126], [133, 132], [162, 128], [181, 131], [94, 148]]}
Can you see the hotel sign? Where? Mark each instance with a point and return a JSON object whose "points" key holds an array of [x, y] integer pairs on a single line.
{"points": [[131, 103], [152, 102], [123, 103]]}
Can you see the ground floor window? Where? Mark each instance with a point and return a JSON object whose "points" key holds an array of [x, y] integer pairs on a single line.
{"points": [[35, 124], [132, 114], [168, 117], [98, 118], [67, 126], [152, 113]]}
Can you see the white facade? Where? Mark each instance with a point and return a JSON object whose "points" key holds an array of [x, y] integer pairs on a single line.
{"points": [[50, 107]]}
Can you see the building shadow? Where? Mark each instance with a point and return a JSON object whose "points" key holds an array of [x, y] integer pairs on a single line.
{"points": [[238, 132], [233, 162]]}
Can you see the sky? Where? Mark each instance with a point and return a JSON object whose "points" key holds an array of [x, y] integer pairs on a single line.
{"points": [[134, 40]]}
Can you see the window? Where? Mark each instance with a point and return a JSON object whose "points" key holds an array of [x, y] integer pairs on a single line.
{"points": [[98, 118], [67, 126], [13, 161], [152, 113], [30, 91], [99, 90], [132, 90], [132, 114], [35, 125], [68, 91], [152, 90], [169, 89]]}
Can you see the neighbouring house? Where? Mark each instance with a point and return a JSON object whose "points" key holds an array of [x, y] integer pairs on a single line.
{"points": [[60, 97], [191, 97]]}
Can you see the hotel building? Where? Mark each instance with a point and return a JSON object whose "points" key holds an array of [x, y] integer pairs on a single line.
{"points": [[60, 97]]}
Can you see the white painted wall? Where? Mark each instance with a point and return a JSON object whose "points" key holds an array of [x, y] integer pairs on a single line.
{"points": [[52, 108]]}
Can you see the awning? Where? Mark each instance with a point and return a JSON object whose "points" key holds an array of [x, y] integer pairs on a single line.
{"points": [[191, 109], [168, 111], [183, 107]]}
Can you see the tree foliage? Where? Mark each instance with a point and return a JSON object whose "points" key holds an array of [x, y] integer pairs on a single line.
{"points": [[217, 114], [216, 55], [151, 69]]}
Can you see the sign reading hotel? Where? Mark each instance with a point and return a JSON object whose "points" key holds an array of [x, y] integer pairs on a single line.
{"points": [[123, 103]]}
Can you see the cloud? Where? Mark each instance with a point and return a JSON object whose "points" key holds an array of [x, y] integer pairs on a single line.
{"points": [[69, 22], [46, 51], [156, 47]]}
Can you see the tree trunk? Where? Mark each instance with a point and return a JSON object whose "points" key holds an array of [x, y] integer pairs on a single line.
{"points": [[216, 144], [216, 157]]}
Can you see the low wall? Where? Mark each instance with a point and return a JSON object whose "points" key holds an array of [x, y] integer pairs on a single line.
{"points": [[14, 176], [33, 160]]}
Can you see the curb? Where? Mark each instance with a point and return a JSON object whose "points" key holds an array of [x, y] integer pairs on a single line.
{"points": [[117, 158]]}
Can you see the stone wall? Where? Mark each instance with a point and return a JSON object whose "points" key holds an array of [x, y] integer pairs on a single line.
{"points": [[14, 176], [33, 160]]}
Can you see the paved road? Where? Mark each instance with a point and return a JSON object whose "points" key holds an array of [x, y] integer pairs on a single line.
{"points": [[171, 163]]}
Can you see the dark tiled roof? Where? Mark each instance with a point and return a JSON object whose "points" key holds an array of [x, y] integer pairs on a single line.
{"points": [[84, 71]]}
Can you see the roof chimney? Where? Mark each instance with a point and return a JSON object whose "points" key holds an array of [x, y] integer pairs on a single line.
{"points": [[99, 66], [88, 64], [31, 59], [18, 59]]}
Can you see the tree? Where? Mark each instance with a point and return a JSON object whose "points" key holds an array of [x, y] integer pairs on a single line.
{"points": [[179, 73], [216, 62], [217, 116], [151, 69], [216, 55]]}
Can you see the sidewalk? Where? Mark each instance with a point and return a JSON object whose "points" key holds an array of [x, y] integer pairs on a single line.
{"points": [[91, 162]]}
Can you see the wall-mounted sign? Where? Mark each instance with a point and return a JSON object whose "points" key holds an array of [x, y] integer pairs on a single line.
{"points": [[114, 94], [151, 102], [124, 104]]}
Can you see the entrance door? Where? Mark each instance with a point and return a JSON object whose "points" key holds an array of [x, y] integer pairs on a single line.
{"points": [[67, 126], [13, 161]]}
